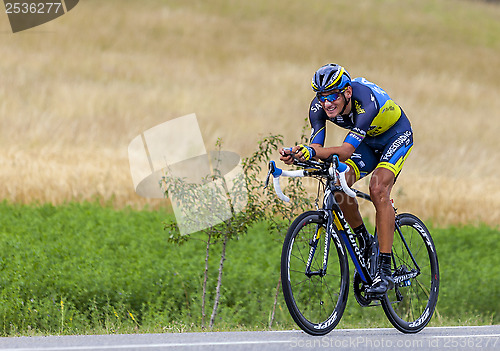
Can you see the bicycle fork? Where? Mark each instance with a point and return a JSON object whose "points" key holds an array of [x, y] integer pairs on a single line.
{"points": [[313, 243]]}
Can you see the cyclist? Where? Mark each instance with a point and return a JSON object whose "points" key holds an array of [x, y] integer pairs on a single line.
{"points": [[379, 140]]}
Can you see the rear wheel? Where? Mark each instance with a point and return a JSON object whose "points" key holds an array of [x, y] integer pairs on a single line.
{"points": [[410, 305], [316, 299]]}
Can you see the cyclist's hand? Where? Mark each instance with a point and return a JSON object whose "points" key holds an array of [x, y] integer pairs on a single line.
{"points": [[305, 152], [286, 155]]}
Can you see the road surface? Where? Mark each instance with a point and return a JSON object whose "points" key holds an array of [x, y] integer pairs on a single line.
{"points": [[446, 338]]}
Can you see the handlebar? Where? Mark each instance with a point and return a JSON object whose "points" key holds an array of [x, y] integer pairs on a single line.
{"points": [[332, 167]]}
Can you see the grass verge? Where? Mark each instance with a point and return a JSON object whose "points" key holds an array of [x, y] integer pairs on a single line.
{"points": [[81, 268]]}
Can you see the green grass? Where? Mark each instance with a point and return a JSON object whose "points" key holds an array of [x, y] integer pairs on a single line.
{"points": [[80, 268]]}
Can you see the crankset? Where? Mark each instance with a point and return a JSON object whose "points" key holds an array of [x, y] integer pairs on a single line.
{"points": [[359, 289]]}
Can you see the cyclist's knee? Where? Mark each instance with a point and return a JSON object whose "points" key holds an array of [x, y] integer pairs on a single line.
{"points": [[381, 185], [378, 189], [378, 194]]}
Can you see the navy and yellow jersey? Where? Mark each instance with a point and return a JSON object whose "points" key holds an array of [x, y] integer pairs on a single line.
{"points": [[378, 129], [373, 113]]}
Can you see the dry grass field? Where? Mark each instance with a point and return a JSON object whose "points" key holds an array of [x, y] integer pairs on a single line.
{"points": [[74, 92]]}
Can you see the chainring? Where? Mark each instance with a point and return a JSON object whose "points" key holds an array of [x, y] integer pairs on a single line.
{"points": [[359, 288]]}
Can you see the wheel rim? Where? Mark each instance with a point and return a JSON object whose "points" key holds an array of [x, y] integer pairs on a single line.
{"points": [[315, 297]]}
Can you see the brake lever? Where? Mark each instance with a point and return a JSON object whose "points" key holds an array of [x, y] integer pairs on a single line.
{"points": [[333, 159], [271, 170]]}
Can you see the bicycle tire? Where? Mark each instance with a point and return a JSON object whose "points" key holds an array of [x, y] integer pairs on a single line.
{"points": [[411, 304], [316, 303]]}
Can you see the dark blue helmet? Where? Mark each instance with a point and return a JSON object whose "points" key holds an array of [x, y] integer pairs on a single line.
{"points": [[329, 77]]}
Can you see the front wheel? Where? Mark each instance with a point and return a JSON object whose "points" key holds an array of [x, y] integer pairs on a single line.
{"points": [[410, 305], [315, 298]]}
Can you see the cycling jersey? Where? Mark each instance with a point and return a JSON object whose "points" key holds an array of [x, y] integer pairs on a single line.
{"points": [[378, 129]]}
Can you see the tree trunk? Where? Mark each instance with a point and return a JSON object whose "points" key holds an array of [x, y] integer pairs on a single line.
{"points": [[219, 282], [275, 303], [205, 278]]}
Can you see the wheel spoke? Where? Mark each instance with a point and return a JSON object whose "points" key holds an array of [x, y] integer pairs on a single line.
{"points": [[313, 299]]}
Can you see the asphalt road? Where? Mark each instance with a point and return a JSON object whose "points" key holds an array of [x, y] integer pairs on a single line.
{"points": [[449, 338]]}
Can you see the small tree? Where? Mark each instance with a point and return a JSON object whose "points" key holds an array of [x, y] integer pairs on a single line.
{"points": [[206, 205], [260, 206]]}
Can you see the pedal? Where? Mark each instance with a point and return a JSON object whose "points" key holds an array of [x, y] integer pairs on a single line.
{"points": [[379, 297]]}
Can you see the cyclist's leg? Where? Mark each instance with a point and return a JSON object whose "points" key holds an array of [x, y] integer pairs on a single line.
{"points": [[349, 205], [391, 162], [393, 157], [381, 184]]}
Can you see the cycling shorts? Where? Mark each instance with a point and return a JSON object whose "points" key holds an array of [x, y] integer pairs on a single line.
{"points": [[388, 150]]}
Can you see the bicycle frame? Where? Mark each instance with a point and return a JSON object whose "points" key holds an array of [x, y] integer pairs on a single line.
{"points": [[337, 225], [336, 218], [406, 245], [413, 273], [336, 221]]}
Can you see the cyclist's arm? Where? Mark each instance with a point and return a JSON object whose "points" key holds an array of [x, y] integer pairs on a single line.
{"points": [[344, 151], [317, 119]]}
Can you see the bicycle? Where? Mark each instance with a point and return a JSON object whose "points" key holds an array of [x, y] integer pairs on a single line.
{"points": [[315, 273]]}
